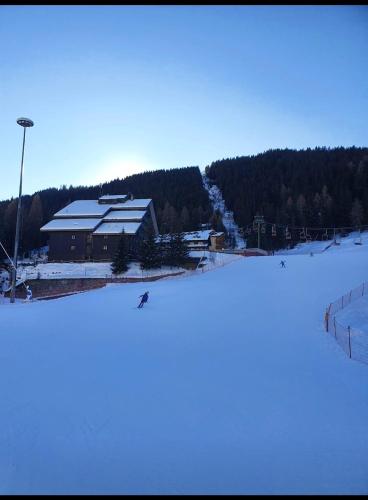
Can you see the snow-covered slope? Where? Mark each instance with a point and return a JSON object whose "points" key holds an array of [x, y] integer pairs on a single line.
{"points": [[348, 243], [225, 382], [218, 203]]}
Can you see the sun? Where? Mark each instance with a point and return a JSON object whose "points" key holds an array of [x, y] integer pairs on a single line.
{"points": [[120, 167]]}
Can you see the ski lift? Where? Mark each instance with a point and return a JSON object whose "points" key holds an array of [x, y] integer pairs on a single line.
{"points": [[325, 235], [337, 238], [287, 234], [302, 235], [255, 226], [308, 237], [263, 228], [274, 230]]}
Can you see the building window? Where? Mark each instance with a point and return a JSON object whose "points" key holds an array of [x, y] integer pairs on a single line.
{"points": [[105, 247], [73, 236], [72, 247]]}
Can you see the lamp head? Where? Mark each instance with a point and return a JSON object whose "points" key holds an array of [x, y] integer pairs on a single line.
{"points": [[25, 122]]}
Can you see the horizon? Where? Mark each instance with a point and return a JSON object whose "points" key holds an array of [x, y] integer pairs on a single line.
{"points": [[121, 90]]}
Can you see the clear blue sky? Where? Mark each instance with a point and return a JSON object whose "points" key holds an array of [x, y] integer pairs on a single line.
{"points": [[114, 90]]}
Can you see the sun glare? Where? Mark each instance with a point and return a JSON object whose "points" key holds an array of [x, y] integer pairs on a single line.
{"points": [[120, 167]]}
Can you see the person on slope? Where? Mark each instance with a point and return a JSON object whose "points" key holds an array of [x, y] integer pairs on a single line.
{"points": [[282, 263], [144, 299]]}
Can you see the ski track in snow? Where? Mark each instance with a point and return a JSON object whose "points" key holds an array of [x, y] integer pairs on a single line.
{"points": [[227, 216], [225, 382]]}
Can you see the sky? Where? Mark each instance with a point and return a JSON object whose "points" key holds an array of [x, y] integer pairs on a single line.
{"points": [[117, 90]]}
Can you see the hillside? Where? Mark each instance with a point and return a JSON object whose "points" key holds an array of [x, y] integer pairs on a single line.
{"points": [[179, 198], [224, 383], [313, 188]]}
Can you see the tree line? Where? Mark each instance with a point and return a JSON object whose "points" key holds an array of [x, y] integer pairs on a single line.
{"points": [[152, 253], [320, 187], [181, 204]]}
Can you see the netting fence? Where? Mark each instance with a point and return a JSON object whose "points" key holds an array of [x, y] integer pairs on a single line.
{"points": [[353, 341]]}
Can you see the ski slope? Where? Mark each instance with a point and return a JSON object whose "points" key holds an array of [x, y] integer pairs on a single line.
{"points": [[218, 203], [225, 382]]}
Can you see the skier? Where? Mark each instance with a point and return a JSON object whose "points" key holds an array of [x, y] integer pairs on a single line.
{"points": [[311, 254], [143, 300], [29, 294], [282, 263]]}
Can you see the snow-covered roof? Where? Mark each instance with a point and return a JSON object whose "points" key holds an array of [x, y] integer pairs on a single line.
{"points": [[198, 235], [121, 215], [139, 203], [112, 196], [83, 208], [91, 208], [117, 228], [71, 224]]}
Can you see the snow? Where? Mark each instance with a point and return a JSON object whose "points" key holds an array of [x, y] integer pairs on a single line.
{"points": [[113, 196], [124, 215], [218, 203], [70, 224], [117, 228], [91, 208], [198, 235], [225, 382], [83, 208], [355, 315], [71, 270], [348, 243], [138, 203]]}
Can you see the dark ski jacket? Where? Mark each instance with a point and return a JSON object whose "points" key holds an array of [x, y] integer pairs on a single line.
{"points": [[144, 297]]}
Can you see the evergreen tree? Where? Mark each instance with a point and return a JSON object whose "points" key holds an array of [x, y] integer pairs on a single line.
{"points": [[177, 251], [34, 222], [357, 213], [121, 258], [149, 255], [181, 248]]}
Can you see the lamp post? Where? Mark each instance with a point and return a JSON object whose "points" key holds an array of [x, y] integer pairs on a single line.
{"points": [[25, 123]]}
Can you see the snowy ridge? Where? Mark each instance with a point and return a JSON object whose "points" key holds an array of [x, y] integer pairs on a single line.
{"points": [[218, 203]]}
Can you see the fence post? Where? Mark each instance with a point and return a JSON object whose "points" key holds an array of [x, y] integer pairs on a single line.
{"points": [[342, 302], [335, 326], [349, 342], [363, 290], [326, 320], [350, 296]]}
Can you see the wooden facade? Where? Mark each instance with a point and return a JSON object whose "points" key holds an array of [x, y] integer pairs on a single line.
{"points": [[92, 233]]}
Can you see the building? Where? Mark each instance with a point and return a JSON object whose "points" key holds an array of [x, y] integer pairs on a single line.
{"points": [[207, 239], [91, 229]]}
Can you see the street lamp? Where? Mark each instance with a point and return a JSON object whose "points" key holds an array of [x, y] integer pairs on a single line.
{"points": [[25, 123]]}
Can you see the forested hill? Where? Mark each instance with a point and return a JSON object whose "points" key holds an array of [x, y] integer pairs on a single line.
{"points": [[318, 187], [180, 202]]}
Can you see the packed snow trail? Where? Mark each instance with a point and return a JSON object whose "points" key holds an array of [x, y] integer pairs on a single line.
{"points": [[218, 203], [224, 382]]}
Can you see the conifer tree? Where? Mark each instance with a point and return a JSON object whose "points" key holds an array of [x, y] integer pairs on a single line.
{"points": [[120, 261], [34, 222], [149, 256], [177, 250]]}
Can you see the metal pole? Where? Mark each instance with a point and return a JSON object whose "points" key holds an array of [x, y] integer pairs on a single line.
{"points": [[16, 243], [259, 235]]}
